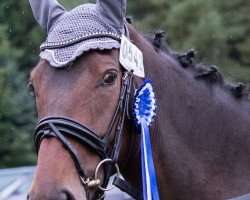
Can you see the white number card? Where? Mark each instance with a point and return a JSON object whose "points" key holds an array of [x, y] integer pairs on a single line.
{"points": [[131, 57]]}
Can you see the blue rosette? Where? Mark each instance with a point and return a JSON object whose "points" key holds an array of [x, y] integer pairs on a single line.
{"points": [[144, 110], [144, 104]]}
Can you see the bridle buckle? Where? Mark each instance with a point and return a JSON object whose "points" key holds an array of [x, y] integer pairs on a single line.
{"points": [[91, 183]]}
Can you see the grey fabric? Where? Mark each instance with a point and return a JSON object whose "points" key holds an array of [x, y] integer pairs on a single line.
{"points": [[114, 11], [77, 25], [62, 57], [46, 12], [87, 27]]}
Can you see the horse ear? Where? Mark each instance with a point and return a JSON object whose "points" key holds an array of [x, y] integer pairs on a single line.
{"points": [[114, 11], [46, 12]]}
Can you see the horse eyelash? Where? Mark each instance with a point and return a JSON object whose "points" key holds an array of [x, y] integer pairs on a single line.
{"points": [[31, 89]]}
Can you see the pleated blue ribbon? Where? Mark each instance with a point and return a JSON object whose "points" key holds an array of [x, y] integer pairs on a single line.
{"points": [[144, 111], [150, 188]]}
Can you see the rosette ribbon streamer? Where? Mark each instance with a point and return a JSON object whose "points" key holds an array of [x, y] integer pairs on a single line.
{"points": [[144, 107]]}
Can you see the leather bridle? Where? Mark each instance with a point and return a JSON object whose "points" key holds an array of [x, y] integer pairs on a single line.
{"points": [[63, 128]]}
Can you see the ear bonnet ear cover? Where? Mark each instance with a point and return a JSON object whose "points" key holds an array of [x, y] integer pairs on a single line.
{"points": [[87, 27]]}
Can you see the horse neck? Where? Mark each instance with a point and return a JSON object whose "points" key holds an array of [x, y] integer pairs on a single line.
{"points": [[201, 133]]}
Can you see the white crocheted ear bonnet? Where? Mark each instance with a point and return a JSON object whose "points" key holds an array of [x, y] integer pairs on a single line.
{"points": [[70, 34]]}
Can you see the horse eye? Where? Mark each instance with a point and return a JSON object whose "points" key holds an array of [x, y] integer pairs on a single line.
{"points": [[109, 78], [31, 89]]}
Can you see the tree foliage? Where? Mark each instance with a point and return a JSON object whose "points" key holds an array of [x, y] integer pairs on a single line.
{"points": [[218, 30], [17, 117], [19, 43]]}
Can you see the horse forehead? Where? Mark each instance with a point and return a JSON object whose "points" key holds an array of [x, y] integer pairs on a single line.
{"points": [[99, 59]]}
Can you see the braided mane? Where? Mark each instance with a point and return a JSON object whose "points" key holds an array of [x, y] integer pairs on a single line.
{"points": [[208, 73]]}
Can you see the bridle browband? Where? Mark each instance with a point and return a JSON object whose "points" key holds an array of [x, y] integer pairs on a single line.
{"points": [[60, 128]]}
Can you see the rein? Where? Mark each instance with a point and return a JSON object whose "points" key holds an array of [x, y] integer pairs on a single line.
{"points": [[60, 128]]}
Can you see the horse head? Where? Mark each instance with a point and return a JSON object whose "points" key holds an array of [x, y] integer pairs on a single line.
{"points": [[83, 97], [200, 138]]}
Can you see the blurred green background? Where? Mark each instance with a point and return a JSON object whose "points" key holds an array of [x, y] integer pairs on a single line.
{"points": [[219, 30]]}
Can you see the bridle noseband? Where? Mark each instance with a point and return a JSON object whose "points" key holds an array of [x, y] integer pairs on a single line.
{"points": [[63, 128]]}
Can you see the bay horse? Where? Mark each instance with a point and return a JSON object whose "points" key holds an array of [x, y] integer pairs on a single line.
{"points": [[200, 137]]}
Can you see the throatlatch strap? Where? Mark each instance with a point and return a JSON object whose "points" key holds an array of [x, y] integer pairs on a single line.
{"points": [[124, 98], [126, 187]]}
